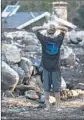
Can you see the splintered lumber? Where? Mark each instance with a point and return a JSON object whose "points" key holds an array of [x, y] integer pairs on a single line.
{"points": [[65, 94]]}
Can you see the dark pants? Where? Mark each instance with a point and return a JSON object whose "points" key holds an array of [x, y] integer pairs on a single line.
{"points": [[51, 78]]}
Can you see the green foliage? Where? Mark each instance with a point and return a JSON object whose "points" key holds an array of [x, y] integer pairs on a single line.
{"points": [[46, 6]]}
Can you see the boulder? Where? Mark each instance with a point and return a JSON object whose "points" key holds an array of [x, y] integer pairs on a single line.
{"points": [[20, 72], [75, 37], [24, 36], [67, 56], [9, 76], [31, 48], [7, 94], [72, 37], [80, 35], [82, 43], [26, 65], [14, 35], [12, 53], [3, 57], [30, 40]]}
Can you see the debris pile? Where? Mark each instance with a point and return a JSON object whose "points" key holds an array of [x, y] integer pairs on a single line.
{"points": [[21, 70]]}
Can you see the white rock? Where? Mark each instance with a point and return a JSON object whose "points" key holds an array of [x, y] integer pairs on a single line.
{"points": [[21, 34], [52, 99], [67, 56], [20, 72], [9, 76], [72, 35], [80, 34], [26, 65], [66, 51], [82, 43], [12, 53]]}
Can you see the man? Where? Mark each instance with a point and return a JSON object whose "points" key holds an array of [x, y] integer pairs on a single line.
{"points": [[51, 60]]}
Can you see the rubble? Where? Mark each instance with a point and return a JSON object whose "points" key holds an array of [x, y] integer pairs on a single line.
{"points": [[18, 102], [27, 57], [33, 48], [24, 37], [31, 52], [22, 76], [25, 87], [31, 94]]}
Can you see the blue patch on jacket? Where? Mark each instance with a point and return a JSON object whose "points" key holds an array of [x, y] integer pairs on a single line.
{"points": [[51, 48]]}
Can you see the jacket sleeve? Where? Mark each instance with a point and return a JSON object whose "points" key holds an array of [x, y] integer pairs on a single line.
{"points": [[61, 38], [40, 36]]}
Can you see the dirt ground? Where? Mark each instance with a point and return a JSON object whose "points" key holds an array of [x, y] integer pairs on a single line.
{"points": [[72, 109]]}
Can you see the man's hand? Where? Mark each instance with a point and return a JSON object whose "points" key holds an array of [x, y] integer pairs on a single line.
{"points": [[62, 28]]}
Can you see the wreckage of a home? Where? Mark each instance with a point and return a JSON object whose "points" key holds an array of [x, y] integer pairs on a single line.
{"points": [[11, 19], [21, 20]]}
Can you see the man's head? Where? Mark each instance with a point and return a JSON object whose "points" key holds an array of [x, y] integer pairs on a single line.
{"points": [[51, 29]]}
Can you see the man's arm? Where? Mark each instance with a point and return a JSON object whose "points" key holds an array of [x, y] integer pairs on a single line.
{"points": [[38, 28], [62, 28], [61, 36], [40, 36]]}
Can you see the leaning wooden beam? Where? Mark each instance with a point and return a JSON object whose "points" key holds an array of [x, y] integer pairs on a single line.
{"points": [[63, 22]]}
